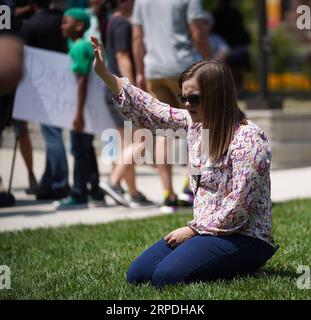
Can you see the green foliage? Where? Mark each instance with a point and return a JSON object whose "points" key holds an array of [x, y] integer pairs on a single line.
{"points": [[281, 49], [210, 5], [248, 8]]}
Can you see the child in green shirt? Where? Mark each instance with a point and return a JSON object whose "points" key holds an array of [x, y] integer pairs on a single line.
{"points": [[75, 22]]}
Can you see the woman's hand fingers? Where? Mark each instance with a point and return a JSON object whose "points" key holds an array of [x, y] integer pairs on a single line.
{"points": [[101, 52], [95, 42], [171, 240], [98, 56], [166, 238], [172, 243], [98, 49]]}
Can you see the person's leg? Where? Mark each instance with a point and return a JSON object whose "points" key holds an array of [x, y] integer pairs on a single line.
{"points": [[130, 180], [142, 268], [186, 197], [26, 151], [80, 147], [165, 169], [204, 258], [55, 176], [125, 169], [122, 169], [25, 145], [97, 196], [161, 91], [6, 103], [94, 173]]}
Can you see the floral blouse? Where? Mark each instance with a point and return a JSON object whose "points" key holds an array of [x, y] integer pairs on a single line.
{"points": [[234, 192]]}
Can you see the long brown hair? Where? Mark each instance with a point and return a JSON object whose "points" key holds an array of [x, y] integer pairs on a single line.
{"points": [[221, 113]]}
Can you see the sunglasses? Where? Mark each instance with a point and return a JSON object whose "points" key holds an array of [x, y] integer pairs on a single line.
{"points": [[193, 99]]}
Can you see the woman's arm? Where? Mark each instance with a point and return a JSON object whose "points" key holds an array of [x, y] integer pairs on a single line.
{"points": [[251, 157], [113, 82], [136, 104]]}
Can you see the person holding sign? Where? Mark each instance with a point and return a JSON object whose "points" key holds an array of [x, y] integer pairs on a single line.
{"points": [[42, 31], [75, 22], [231, 232]]}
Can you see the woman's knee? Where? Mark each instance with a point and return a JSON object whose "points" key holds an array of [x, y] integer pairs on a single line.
{"points": [[165, 275], [142, 269], [138, 272], [134, 275]]}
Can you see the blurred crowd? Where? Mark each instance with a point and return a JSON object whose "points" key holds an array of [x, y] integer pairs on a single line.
{"points": [[149, 42]]}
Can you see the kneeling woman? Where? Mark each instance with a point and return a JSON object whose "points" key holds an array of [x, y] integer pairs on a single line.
{"points": [[231, 230]]}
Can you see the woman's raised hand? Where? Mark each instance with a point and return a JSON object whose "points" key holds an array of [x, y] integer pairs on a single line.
{"points": [[113, 83], [99, 61]]}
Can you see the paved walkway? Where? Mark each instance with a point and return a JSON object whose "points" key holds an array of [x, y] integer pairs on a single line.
{"points": [[31, 214]]}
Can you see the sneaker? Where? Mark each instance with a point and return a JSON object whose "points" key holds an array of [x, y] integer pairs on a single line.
{"points": [[115, 192], [96, 203], [185, 199], [70, 203], [97, 199], [33, 185], [140, 201], [169, 205]]}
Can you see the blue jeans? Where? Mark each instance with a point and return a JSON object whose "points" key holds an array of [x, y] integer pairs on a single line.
{"points": [[56, 169], [85, 166], [200, 258]]}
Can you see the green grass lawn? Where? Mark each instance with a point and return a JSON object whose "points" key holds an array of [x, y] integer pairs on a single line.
{"points": [[90, 262]]}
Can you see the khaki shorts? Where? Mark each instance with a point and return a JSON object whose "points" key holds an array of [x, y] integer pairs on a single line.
{"points": [[165, 90]]}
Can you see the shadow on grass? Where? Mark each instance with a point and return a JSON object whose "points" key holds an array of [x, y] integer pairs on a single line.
{"points": [[275, 273]]}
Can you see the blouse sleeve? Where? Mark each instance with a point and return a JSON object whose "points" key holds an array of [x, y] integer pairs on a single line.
{"points": [[251, 157], [147, 112]]}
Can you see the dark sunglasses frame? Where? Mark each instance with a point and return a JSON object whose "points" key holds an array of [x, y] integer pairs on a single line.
{"points": [[193, 99]]}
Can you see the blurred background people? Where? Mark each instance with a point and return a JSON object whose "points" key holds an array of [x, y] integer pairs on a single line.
{"points": [[220, 50], [21, 10], [164, 35], [25, 146], [95, 11], [43, 31], [75, 22], [230, 26], [11, 65], [77, 3], [118, 44]]}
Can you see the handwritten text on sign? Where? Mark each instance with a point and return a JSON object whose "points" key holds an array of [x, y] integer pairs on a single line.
{"points": [[48, 93]]}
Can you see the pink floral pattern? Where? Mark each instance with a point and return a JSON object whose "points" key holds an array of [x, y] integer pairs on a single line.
{"points": [[234, 194]]}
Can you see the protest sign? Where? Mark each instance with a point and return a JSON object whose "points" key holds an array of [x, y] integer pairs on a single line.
{"points": [[48, 93]]}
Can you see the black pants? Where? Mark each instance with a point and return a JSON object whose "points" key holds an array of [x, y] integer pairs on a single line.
{"points": [[85, 166], [6, 107]]}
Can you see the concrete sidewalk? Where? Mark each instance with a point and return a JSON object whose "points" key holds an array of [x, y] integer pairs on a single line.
{"points": [[31, 214]]}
